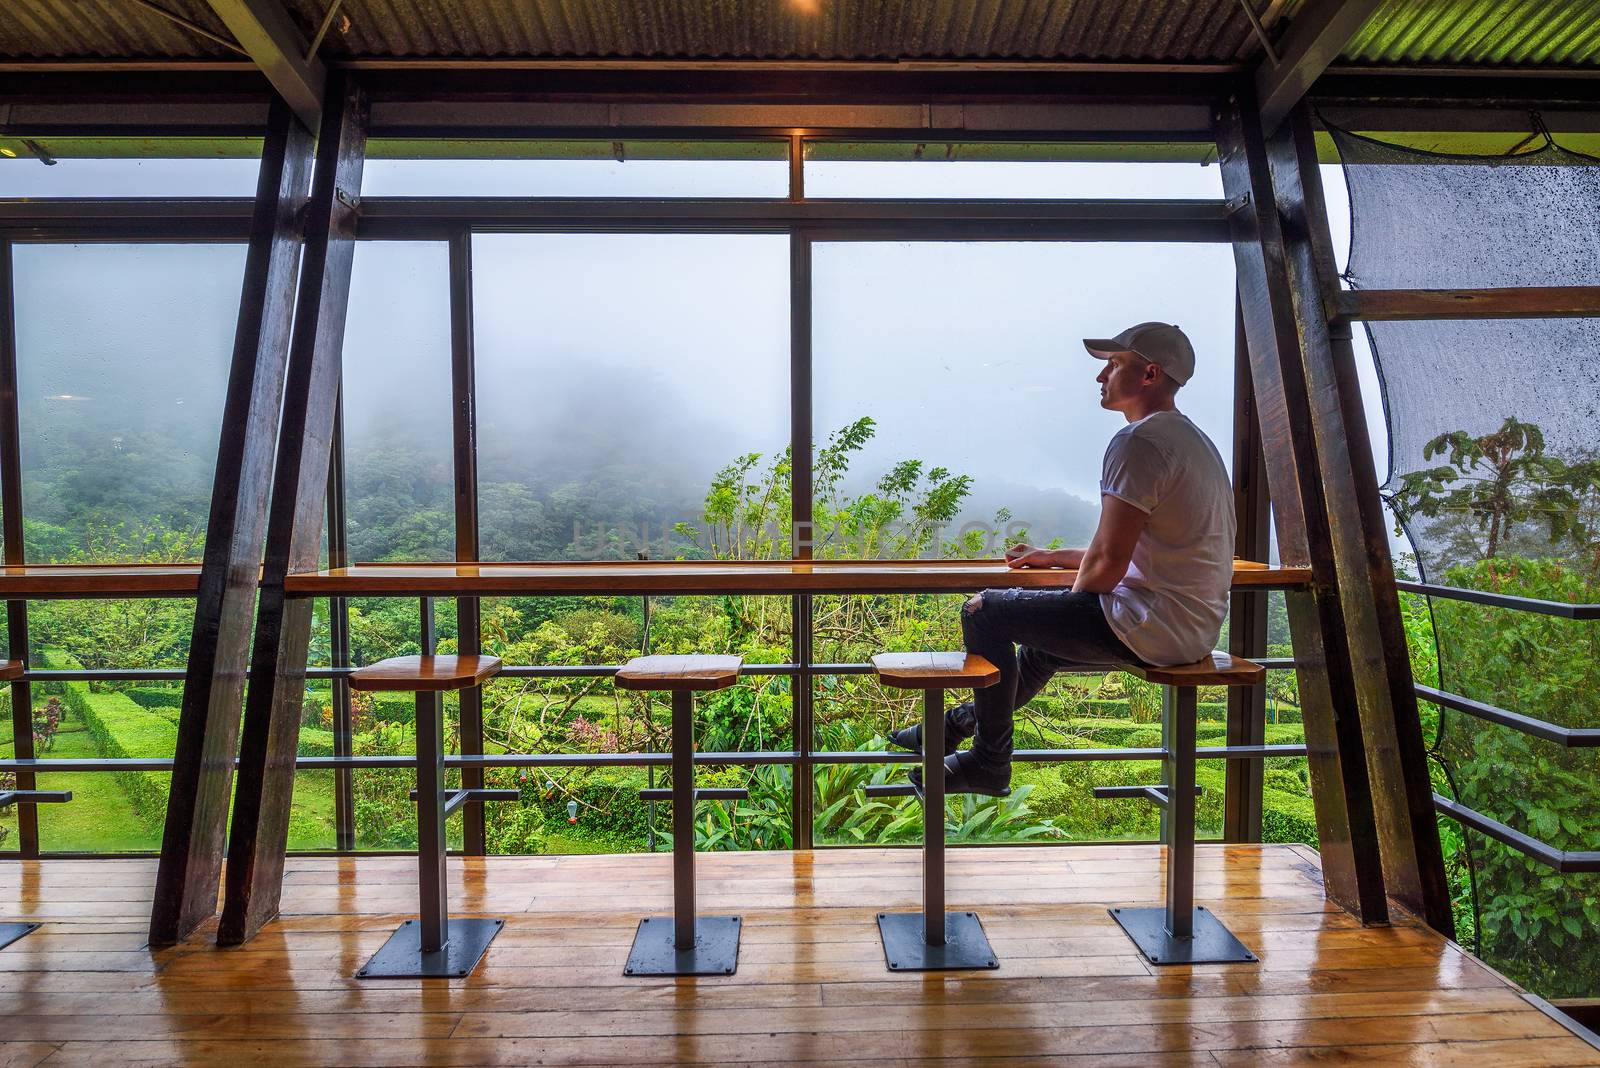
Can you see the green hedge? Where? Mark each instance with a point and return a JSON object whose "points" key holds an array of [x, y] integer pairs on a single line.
{"points": [[153, 697], [394, 707], [315, 742], [1122, 734], [1118, 708], [121, 729], [1288, 818]]}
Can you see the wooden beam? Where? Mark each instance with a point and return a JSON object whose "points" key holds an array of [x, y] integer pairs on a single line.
{"points": [[1313, 40], [1248, 610], [219, 649], [272, 41], [464, 435], [1341, 789], [1549, 302], [261, 805], [1397, 759], [11, 546]]}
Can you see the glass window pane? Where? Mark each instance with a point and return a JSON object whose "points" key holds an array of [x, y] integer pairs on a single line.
{"points": [[633, 395], [955, 408], [1010, 171], [582, 169], [399, 452], [122, 364], [225, 169]]}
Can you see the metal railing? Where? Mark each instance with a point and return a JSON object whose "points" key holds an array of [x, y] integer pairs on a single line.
{"points": [[574, 761], [1562, 860]]}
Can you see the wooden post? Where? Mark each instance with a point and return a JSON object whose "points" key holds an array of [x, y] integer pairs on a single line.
{"points": [[12, 551], [283, 625], [1247, 611], [208, 726], [1341, 790], [1413, 861], [464, 425]]}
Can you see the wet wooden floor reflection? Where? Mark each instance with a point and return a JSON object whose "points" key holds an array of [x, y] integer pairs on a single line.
{"points": [[811, 987]]}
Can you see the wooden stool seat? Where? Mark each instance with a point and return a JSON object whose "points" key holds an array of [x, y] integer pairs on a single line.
{"points": [[935, 671], [425, 674], [11, 669], [691, 672], [1218, 669]]}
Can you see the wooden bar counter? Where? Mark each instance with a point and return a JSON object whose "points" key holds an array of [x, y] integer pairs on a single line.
{"points": [[712, 577], [67, 581]]}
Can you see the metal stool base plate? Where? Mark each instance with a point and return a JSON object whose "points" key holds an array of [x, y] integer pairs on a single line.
{"points": [[715, 950], [10, 932], [965, 944], [402, 958], [1212, 942]]}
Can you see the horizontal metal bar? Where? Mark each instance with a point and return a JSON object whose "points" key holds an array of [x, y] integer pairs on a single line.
{"points": [[1156, 795], [106, 675], [1247, 752], [510, 671], [566, 671], [576, 760], [716, 793], [34, 797], [1503, 600], [1564, 861], [1571, 738], [890, 789], [227, 218], [476, 797], [1275, 663]]}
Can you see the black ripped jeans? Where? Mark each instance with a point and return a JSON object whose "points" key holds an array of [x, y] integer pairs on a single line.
{"points": [[1029, 635]]}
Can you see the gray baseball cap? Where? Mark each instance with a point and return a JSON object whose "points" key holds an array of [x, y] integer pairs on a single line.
{"points": [[1163, 344]]}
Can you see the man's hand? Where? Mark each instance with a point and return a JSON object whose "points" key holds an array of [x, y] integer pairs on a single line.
{"points": [[1021, 556]]}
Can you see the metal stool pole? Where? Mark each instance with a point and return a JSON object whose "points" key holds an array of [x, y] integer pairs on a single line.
{"points": [[434, 914], [933, 817], [10, 932], [932, 939], [1181, 932], [432, 946], [684, 943], [683, 936], [1179, 710]]}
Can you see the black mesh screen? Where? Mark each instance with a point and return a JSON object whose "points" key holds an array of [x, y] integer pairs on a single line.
{"points": [[1494, 472]]}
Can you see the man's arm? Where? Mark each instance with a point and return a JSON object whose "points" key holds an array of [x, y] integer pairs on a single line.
{"points": [[1106, 560], [1027, 556]]}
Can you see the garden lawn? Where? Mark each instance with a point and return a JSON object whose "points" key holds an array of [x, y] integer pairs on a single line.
{"points": [[100, 818]]}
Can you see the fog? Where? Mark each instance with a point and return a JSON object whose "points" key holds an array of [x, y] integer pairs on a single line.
{"points": [[642, 364]]}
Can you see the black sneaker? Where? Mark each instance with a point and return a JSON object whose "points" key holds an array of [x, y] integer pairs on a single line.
{"points": [[911, 738], [967, 773]]}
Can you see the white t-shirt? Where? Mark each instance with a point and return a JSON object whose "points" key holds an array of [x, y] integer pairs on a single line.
{"points": [[1170, 606]]}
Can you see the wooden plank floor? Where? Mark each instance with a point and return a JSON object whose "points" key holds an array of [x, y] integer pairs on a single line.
{"points": [[811, 987]]}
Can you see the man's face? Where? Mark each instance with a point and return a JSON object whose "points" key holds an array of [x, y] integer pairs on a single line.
{"points": [[1122, 380]]}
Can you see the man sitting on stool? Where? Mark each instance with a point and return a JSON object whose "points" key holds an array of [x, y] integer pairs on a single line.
{"points": [[1152, 586]]}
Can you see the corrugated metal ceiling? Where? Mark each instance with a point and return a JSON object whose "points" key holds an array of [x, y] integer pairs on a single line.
{"points": [[1561, 33]]}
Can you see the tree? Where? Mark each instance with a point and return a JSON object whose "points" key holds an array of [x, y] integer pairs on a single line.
{"points": [[1500, 479]]}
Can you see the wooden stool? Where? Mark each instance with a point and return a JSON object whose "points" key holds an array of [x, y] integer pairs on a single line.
{"points": [[433, 945], [11, 670], [933, 939], [685, 944], [1180, 933]]}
